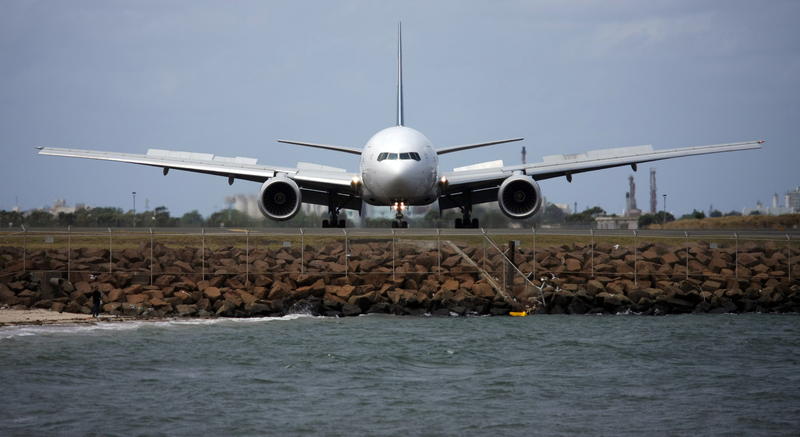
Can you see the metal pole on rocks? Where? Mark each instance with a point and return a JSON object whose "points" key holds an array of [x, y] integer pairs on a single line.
{"points": [[635, 260], [438, 252], [789, 256], [24, 249], [591, 250], [69, 252], [151, 256], [302, 252], [534, 252], [203, 252], [736, 255], [484, 251], [686, 236], [247, 257], [110, 256], [346, 255], [392, 254]]}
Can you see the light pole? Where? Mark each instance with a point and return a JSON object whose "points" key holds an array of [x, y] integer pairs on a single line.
{"points": [[664, 216], [134, 208]]}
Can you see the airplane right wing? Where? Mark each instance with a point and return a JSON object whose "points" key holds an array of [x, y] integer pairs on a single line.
{"points": [[480, 182]]}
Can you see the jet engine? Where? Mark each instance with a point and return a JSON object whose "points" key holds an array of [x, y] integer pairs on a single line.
{"points": [[519, 197], [280, 198]]}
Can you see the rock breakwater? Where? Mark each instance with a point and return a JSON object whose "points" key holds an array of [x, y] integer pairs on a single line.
{"points": [[414, 278]]}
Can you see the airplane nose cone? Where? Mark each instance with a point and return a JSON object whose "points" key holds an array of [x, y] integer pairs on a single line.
{"points": [[399, 181]]}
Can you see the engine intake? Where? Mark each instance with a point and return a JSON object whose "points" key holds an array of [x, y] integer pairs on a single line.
{"points": [[519, 197], [280, 198]]}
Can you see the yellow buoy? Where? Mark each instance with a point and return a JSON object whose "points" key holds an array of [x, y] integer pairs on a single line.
{"points": [[518, 313]]}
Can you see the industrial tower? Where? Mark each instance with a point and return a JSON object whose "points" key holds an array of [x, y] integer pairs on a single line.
{"points": [[653, 199]]}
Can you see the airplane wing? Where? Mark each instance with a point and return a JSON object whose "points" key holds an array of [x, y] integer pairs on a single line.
{"points": [[487, 178], [314, 180]]}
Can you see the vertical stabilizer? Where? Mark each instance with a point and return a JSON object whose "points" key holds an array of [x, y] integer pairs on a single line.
{"points": [[399, 74]]}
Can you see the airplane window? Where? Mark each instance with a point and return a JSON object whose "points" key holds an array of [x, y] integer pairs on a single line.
{"points": [[414, 156], [392, 156], [382, 156], [405, 156]]}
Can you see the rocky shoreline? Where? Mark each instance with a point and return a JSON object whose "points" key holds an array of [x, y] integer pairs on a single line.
{"points": [[411, 279]]}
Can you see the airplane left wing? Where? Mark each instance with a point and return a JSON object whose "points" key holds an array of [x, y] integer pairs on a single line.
{"points": [[316, 178], [483, 182]]}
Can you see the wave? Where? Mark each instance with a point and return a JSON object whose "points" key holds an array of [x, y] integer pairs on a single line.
{"points": [[82, 328]]}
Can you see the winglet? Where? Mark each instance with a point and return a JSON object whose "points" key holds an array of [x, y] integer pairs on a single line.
{"points": [[400, 74]]}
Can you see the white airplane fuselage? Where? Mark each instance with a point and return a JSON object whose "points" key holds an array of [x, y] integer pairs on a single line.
{"points": [[399, 166]]}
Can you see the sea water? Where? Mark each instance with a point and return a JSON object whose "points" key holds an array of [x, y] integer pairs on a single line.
{"points": [[388, 375]]}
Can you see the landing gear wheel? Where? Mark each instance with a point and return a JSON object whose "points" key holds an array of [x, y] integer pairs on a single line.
{"points": [[342, 223], [459, 223], [404, 224], [475, 224], [326, 224]]}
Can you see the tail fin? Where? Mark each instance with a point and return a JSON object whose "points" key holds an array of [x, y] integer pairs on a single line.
{"points": [[400, 74]]}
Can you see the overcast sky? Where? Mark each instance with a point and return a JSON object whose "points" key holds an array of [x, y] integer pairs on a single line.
{"points": [[231, 77]]}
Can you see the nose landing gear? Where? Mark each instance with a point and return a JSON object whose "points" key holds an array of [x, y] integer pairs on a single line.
{"points": [[399, 222]]}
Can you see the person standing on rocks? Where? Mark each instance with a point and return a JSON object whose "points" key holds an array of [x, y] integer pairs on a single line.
{"points": [[95, 303]]}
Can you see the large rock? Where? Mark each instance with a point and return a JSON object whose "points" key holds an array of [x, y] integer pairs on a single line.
{"points": [[211, 292], [186, 310]]}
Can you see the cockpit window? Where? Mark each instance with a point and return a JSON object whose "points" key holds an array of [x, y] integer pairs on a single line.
{"points": [[404, 155]]}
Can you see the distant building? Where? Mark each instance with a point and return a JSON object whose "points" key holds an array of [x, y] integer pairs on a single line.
{"points": [[793, 200], [617, 222], [791, 205]]}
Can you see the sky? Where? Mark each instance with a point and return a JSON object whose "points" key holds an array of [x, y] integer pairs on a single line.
{"points": [[230, 78]]}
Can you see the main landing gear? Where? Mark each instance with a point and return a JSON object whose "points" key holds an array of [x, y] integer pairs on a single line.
{"points": [[466, 221], [333, 214], [334, 221]]}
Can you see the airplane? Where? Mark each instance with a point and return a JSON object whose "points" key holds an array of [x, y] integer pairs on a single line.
{"points": [[399, 167]]}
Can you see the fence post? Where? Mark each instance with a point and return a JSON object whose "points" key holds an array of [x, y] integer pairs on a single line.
{"points": [[438, 252], [534, 251], [302, 252], [110, 251], [69, 253], [24, 249], [393, 255], [346, 255], [483, 262], [203, 253], [591, 250], [151, 256], [635, 260], [789, 256], [247, 257], [686, 236], [736, 255]]}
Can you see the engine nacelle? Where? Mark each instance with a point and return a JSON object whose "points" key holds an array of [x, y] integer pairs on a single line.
{"points": [[280, 198], [519, 197]]}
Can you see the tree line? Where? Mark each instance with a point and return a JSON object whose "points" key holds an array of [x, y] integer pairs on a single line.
{"points": [[489, 215]]}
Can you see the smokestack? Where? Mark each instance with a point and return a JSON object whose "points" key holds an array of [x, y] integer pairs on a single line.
{"points": [[653, 198]]}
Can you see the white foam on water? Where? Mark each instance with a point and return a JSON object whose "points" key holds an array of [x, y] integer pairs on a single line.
{"points": [[30, 330]]}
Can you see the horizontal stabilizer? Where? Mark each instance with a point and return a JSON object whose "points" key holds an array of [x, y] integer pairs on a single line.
{"points": [[323, 146], [473, 146]]}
